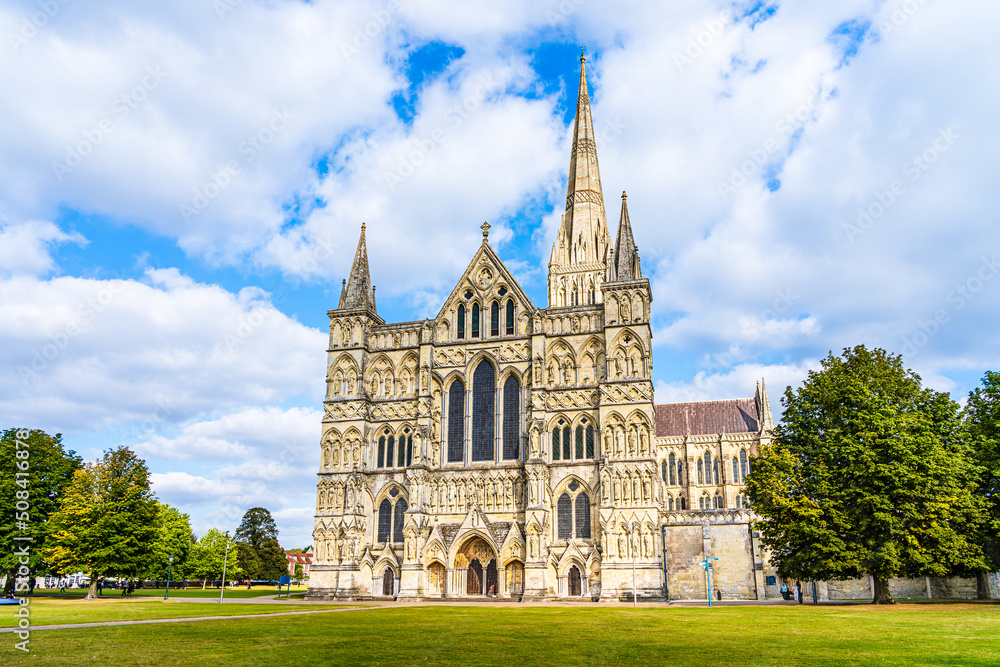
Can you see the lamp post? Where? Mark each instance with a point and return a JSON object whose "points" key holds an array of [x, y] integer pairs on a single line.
{"points": [[631, 531], [170, 566], [707, 564], [225, 558]]}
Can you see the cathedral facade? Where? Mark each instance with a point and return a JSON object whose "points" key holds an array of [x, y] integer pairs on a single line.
{"points": [[502, 449]]}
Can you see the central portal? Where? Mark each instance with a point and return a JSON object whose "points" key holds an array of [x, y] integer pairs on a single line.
{"points": [[479, 562]]}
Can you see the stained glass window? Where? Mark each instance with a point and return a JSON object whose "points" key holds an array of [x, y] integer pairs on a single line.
{"points": [[397, 520], [495, 319], [566, 443], [715, 470], [381, 452], [483, 411], [511, 418], [590, 442], [583, 516], [461, 321], [736, 470], [456, 421], [744, 464], [409, 450], [388, 451], [510, 318], [663, 471], [555, 444], [564, 517], [670, 468], [475, 320], [384, 520]]}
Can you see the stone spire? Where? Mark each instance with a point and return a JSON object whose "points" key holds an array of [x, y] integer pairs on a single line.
{"points": [[358, 293], [577, 265], [763, 407], [625, 262]]}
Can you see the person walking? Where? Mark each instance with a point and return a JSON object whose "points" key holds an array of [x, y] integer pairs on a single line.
{"points": [[100, 586], [62, 586], [124, 591]]}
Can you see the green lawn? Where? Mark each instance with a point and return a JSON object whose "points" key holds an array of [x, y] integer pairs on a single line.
{"points": [[528, 635], [46, 611], [191, 592]]}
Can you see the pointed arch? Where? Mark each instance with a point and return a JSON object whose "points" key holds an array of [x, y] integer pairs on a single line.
{"points": [[483, 410]]}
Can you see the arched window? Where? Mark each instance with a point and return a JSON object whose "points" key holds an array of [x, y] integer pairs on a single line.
{"points": [[566, 443], [475, 320], [715, 470], [556, 449], [701, 474], [701, 502], [579, 442], [715, 503], [384, 520], [680, 473], [718, 503], [461, 321], [736, 470], [582, 528], [744, 464], [388, 451], [663, 473], [495, 319], [670, 503], [708, 468], [564, 517], [381, 452], [401, 454], [510, 317], [456, 421], [397, 520], [511, 418], [739, 503], [483, 411], [684, 503], [573, 513], [590, 442], [671, 461]]}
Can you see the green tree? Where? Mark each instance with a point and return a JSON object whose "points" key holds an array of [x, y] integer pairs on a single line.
{"points": [[256, 528], [982, 417], [173, 538], [250, 563], [299, 572], [45, 468], [105, 522], [209, 554], [273, 561], [868, 473]]}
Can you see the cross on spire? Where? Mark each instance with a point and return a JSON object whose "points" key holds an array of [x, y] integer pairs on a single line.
{"points": [[486, 230]]}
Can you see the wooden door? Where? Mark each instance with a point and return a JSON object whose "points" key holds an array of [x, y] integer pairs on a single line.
{"points": [[474, 578], [387, 582], [491, 578], [574, 582]]}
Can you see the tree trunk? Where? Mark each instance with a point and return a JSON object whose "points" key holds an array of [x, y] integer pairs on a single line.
{"points": [[982, 586], [92, 592], [203, 582], [882, 595], [8, 588]]}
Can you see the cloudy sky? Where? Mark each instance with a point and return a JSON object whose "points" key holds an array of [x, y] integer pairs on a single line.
{"points": [[182, 186]]}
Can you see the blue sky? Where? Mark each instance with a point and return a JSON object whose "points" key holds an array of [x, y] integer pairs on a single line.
{"points": [[182, 188]]}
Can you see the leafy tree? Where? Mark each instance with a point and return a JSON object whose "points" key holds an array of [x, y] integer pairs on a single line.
{"points": [[209, 554], [982, 417], [299, 572], [105, 522], [256, 528], [868, 472], [46, 469], [250, 563], [173, 538], [273, 561]]}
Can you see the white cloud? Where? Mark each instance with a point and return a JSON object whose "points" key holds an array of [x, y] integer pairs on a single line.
{"points": [[25, 249]]}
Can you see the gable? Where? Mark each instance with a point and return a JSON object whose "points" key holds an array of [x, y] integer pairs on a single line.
{"points": [[483, 280]]}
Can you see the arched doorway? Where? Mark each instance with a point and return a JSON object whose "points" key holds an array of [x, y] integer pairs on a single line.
{"points": [[387, 582], [515, 578], [474, 578], [574, 581], [491, 578]]}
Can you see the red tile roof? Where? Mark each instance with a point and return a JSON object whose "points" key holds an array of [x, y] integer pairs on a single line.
{"points": [[299, 558], [706, 417]]}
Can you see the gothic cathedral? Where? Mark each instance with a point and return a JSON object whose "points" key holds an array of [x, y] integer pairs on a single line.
{"points": [[501, 449]]}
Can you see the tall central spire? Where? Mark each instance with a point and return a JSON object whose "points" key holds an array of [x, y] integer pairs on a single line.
{"points": [[357, 291], [579, 255]]}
